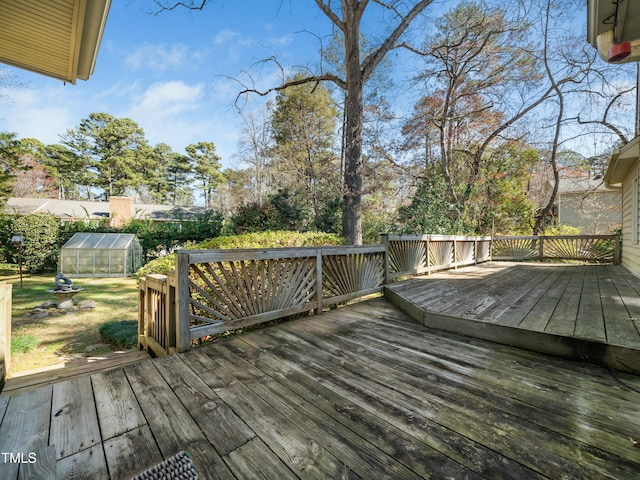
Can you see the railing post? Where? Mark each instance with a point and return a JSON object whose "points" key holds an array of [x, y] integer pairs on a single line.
{"points": [[475, 250], [142, 308], [318, 309], [171, 312], [5, 331], [455, 254], [183, 336], [384, 239], [541, 248], [617, 251]]}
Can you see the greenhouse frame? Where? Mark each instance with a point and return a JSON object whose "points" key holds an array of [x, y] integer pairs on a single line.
{"points": [[101, 255]]}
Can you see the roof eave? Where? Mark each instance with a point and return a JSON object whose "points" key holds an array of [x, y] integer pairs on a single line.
{"points": [[623, 160], [82, 41], [94, 24]]}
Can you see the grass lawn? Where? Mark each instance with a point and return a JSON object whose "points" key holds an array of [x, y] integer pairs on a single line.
{"points": [[47, 341]]}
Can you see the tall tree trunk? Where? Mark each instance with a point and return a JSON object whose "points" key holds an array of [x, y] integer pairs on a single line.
{"points": [[354, 113]]}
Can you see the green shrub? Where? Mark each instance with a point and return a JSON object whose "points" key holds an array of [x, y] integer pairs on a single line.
{"points": [[160, 265], [330, 216], [254, 217], [374, 224], [122, 334], [6, 232], [40, 249], [156, 237], [430, 210], [275, 239], [282, 211], [561, 229]]}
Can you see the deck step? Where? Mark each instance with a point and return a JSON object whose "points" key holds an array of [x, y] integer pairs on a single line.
{"points": [[31, 379], [597, 352]]}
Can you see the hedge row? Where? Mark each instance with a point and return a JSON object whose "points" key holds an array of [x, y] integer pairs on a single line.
{"points": [[270, 239], [44, 237]]}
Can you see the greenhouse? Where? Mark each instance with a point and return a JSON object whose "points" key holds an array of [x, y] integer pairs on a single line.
{"points": [[101, 255]]}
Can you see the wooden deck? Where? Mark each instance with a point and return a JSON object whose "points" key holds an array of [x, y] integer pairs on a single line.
{"points": [[580, 312], [358, 392], [31, 379]]}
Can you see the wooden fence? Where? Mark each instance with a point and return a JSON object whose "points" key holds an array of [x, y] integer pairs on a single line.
{"points": [[587, 248], [5, 331], [417, 254], [220, 290], [213, 291], [157, 313]]}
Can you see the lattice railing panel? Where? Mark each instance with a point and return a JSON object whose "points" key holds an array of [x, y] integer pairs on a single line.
{"points": [[465, 252], [483, 253], [579, 248], [226, 291], [407, 256], [515, 248], [345, 274], [441, 253]]}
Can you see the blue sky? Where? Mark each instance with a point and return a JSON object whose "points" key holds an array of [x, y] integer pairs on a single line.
{"points": [[172, 73]]}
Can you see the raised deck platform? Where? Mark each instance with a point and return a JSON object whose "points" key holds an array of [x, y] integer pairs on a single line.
{"points": [[579, 312], [357, 392]]}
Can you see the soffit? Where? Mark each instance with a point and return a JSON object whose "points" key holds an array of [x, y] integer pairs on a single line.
{"points": [[58, 38]]}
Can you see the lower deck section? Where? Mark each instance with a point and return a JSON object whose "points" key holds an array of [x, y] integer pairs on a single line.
{"points": [[580, 312]]}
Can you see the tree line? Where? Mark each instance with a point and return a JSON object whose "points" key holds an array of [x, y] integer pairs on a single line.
{"points": [[104, 156], [503, 92]]}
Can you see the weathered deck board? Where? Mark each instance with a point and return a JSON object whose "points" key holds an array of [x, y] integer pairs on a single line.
{"points": [[226, 431], [131, 452], [357, 392], [32, 379], [482, 421], [116, 405], [173, 427], [590, 319], [562, 321], [555, 416], [25, 426], [588, 312], [74, 421]]}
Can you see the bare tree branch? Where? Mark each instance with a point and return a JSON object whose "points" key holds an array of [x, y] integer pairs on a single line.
{"points": [[326, 9], [192, 5], [604, 121], [372, 60], [327, 77]]}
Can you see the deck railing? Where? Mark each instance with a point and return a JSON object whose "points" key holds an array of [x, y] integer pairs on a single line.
{"points": [[416, 254], [157, 313], [5, 331], [588, 248], [213, 291]]}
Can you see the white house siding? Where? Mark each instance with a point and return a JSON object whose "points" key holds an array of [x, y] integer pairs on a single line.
{"points": [[630, 245]]}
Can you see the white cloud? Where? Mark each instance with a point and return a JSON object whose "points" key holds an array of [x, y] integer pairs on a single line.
{"points": [[168, 98], [169, 113], [160, 57], [225, 36], [35, 113]]}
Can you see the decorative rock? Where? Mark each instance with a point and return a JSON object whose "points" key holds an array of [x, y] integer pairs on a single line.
{"points": [[87, 304], [48, 304]]}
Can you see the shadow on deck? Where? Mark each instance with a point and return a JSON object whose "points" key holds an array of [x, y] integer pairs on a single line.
{"points": [[357, 392], [579, 312]]}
